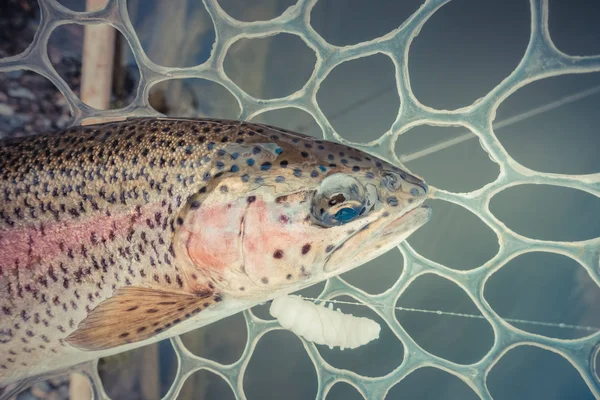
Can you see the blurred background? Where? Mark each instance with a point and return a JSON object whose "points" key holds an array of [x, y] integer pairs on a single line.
{"points": [[465, 50]]}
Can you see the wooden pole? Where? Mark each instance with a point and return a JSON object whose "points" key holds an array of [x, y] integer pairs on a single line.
{"points": [[96, 82], [97, 61]]}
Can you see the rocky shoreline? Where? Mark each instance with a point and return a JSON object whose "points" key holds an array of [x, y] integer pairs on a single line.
{"points": [[29, 103]]}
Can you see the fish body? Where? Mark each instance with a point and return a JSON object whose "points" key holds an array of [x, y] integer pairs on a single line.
{"points": [[120, 234]]}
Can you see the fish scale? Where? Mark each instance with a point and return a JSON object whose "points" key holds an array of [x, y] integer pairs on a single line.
{"points": [[99, 223]]}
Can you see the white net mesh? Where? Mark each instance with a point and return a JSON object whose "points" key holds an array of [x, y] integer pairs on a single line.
{"points": [[541, 60]]}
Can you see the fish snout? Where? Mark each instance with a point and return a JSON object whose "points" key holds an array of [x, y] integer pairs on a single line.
{"points": [[403, 184], [414, 186]]}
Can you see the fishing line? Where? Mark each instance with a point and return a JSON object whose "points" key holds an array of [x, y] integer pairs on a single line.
{"points": [[463, 315]]}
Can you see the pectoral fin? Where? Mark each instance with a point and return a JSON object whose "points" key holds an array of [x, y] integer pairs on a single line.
{"points": [[134, 314]]}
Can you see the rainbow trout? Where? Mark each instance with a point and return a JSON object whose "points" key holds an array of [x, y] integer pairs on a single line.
{"points": [[117, 235]]}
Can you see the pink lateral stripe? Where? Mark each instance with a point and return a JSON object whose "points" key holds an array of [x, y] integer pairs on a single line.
{"points": [[22, 247]]}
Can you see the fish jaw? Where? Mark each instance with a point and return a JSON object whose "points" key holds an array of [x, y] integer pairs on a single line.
{"points": [[378, 239]]}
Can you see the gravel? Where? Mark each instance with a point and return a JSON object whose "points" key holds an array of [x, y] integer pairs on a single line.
{"points": [[29, 103]]}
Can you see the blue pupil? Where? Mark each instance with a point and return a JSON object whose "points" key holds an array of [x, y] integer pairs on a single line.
{"points": [[346, 214]]}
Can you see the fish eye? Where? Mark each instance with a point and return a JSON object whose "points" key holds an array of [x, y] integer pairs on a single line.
{"points": [[339, 199], [336, 199], [346, 214]]}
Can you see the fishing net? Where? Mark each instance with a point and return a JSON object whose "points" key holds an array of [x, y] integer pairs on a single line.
{"points": [[541, 60]]}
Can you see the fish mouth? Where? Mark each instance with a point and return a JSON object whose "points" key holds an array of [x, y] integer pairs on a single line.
{"points": [[368, 244], [421, 211]]}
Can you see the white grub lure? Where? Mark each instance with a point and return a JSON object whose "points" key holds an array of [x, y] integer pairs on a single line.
{"points": [[322, 325]]}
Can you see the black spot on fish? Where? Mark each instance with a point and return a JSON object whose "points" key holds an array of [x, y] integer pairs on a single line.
{"points": [[306, 248]]}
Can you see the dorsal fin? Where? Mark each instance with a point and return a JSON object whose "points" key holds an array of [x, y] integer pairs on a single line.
{"points": [[134, 314]]}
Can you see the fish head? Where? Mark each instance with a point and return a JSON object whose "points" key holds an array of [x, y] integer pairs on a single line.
{"points": [[291, 211]]}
